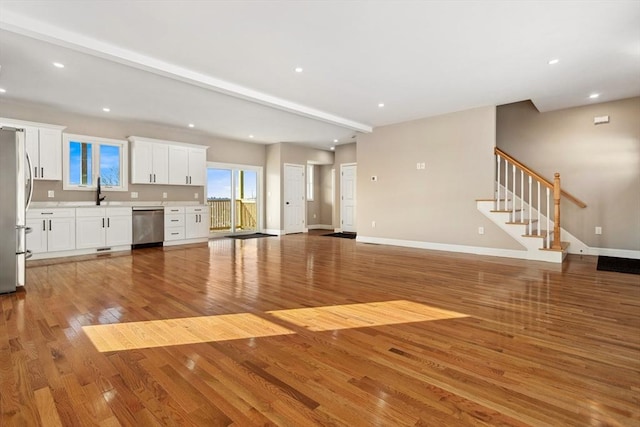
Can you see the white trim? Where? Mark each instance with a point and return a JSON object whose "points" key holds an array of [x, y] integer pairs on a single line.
{"points": [[185, 241], [19, 123], [320, 227], [620, 253], [78, 252], [273, 231], [548, 256], [24, 25]]}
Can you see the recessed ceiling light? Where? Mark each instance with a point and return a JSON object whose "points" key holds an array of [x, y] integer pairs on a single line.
{"points": [[250, 136], [2, 90], [298, 69], [333, 148], [191, 125], [58, 65], [335, 140], [380, 105], [594, 95], [106, 109], [553, 61]]}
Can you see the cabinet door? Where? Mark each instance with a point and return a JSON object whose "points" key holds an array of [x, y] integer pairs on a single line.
{"points": [[31, 138], [90, 231], [37, 239], [142, 163], [50, 154], [191, 225], [178, 165], [160, 163], [62, 234], [118, 230], [197, 166]]}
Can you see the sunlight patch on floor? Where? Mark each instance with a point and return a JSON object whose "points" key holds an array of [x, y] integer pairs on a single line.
{"points": [[191, 330], [363, 315]]}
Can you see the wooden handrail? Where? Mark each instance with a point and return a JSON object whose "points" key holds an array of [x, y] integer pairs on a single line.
{"points": [[539, 177]]}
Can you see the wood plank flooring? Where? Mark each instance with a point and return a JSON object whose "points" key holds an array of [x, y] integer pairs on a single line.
{"points": [[307, 330]]}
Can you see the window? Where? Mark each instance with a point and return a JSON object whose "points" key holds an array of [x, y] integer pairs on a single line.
{"points": [[85, 158], [310, 183]]}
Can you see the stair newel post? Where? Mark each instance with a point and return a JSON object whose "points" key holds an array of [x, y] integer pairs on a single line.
{"points": [[556, 212]]}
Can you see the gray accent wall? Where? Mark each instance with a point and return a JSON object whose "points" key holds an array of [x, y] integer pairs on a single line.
{"points": [[599, 164], [437, 204]]}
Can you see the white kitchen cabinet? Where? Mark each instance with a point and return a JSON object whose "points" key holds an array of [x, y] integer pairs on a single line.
{"points": [[44, 146], [187, 165], [103, 227], [174, 223], [52, 230], [149, 162], [196, 222]]}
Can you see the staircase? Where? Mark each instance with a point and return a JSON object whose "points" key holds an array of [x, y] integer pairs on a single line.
{"points": [[527, 207]]}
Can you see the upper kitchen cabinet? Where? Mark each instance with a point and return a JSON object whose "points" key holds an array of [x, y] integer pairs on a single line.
{"points": [[149, 161], [44, 146], [155, 161], [187, 165]]}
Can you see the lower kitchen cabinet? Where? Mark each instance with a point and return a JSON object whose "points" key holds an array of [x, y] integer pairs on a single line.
{"points": [[186, 224], [52, 230], [196, 222], [103, 227]]}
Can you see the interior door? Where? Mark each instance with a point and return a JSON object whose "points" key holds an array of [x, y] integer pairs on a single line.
{"points": [[294, 186], [348, 197]]}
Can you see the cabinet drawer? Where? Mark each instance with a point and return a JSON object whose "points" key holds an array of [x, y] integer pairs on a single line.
{"points": [[174, 220], [197, 209], [90, 212], [173, 233], [51, 213], [171, 210]]}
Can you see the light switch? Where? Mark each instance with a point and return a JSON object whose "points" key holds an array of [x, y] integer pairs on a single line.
{"points": [[164, 195]]}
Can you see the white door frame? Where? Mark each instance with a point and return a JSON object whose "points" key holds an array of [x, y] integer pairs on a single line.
{"points": [[342, 210], [259, 187]]}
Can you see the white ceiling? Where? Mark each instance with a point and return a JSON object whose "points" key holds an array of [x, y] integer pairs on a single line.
{"points": [[228, 66]]}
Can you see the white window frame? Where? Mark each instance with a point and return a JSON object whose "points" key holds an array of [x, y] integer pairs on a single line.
{"points": [[96, 141], [310, 183]]}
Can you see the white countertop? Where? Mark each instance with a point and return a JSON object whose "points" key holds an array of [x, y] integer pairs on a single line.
{"points": [[107, 204]]}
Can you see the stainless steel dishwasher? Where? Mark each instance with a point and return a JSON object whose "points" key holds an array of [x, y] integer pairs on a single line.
{"points": [[148, 226]]}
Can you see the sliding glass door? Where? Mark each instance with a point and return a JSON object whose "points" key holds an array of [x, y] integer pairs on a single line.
{"points": [[233, 195]]}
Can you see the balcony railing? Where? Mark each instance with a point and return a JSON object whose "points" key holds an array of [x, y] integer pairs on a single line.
{"points": [[220, 212]]}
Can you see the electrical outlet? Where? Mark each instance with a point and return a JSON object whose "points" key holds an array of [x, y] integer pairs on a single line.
{"points": [[51, 194], [195, 195], [373, 224], [134, 194], [598, 230], [314, 216], [480, 230], [418, 166], [423, 166], [164, 195]]}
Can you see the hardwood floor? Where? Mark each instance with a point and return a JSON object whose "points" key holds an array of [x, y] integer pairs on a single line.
{"points": [[307, 330]]}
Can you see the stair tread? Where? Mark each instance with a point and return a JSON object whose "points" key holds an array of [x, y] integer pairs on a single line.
{"points": [[491, 200], [564, 246], [505, 211], [525, 222]]}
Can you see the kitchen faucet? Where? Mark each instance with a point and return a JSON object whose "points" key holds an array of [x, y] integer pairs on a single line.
{"points": [[98, 198]]}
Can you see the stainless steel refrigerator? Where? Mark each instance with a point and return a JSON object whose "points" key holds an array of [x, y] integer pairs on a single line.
{"points": [[16, 188]]}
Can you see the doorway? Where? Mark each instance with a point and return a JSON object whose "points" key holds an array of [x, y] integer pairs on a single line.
{"points": [[294, 200], [348, 174], [233, 197]]}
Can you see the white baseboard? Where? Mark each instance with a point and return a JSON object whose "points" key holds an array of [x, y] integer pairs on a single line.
{"points": [[320, 227], [273, 231], [185, 241], [476, 250], [619, 253]]}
